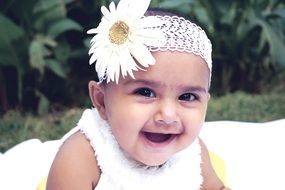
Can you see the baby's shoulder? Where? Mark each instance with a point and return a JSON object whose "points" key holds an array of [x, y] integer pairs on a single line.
{"points": [[211, 180], [75, 163], [76, 141]]}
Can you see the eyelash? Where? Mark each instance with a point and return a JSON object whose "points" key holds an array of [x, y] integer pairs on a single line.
{"points": [[149, 93], [188, 97], [145, 92]]}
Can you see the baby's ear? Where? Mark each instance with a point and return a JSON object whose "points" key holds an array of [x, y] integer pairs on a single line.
{"points": [[208, 96], [97, 93]]}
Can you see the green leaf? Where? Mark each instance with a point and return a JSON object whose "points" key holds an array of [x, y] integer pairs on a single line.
{"points": [[63, 25], [8, 56], [10, 32], [46, 11], [47, 40], [203, 17], [9, 29], [170, 4], [279, 12], [62, 52], [21, 11], [247, 25], [37, 52], [56, 67], [262, 42], [51, 6], [86, 42], [69, 1], [43, 105], [229, 16], [5, 59], [277, 46]]}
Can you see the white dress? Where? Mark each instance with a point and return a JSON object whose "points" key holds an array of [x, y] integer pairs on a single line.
{"points": [[182, 171]]}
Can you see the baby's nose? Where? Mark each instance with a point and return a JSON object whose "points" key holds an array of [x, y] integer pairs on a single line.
{"points": [[166, 113]]}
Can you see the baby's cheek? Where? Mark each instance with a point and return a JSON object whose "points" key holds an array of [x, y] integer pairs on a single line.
{"points": [[193, 130]]}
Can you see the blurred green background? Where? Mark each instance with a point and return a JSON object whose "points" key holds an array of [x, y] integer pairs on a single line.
{"points": [[44, 67]]}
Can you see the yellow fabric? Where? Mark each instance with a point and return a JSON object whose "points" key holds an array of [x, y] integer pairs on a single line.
{"points": [[42, 185], [219, 166], [217, 162]]}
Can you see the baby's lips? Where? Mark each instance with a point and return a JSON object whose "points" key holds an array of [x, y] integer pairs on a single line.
{"points": [[157, 137]]}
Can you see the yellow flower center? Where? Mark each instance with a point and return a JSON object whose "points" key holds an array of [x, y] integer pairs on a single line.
{"points": [[118, 33]]}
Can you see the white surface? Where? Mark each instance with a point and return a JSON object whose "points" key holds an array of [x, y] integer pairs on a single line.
{"points": [[23, 166], [253, 152]]}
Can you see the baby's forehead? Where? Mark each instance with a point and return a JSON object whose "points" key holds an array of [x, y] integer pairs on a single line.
{"points": [[190, 60], [176, 67]]}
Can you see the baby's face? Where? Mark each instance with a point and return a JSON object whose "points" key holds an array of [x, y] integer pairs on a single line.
{"points": [[162, 110]]}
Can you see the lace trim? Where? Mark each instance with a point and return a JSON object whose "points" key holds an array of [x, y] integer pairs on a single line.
{"points": [[184, 36]]}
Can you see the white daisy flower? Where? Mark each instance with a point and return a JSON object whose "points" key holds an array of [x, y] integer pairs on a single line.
{"points": [[121, 40]]}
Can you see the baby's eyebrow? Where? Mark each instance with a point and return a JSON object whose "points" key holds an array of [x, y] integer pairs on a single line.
{"points": [[143, 82], [194, 89], [155, 84]]}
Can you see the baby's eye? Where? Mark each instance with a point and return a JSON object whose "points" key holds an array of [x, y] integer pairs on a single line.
{"points": [[145, 92], [188, 97]]}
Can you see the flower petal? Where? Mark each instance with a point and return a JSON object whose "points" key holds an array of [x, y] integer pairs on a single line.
{"points": [[93, 31], [128, 64], [117, 72], [124, 62], [96, 52], [112, 7], [141, 54], [106, 13], [92, 59], [151, 38], [95, 38], [100, 39], [113, 68], [150, 21], [113, 60], [104, 24], [138, 8], [123, 6], [96, 45], [95, 55], [101, 67]]}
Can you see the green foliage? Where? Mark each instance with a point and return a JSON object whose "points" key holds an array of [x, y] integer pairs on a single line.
{"points": [[249, 43], [9, 34], [248, 39], [15, 127], [44, 47], [243, 107], [31, 42]]}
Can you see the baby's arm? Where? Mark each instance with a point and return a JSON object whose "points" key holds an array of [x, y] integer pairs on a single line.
{"points": [[211, 180], [74, 167]]}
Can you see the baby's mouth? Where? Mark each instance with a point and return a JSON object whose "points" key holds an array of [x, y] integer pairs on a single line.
{"points": [[157, 137]]}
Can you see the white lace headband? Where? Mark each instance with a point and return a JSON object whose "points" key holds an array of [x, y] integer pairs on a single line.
{"points": [[125, 35], [184, 36]]}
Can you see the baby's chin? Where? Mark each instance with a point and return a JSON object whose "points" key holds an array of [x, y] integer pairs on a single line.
{"points": [[153, 162]]}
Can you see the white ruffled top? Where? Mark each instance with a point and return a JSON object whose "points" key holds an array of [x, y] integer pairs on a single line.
{"points": [[119, 172]]}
